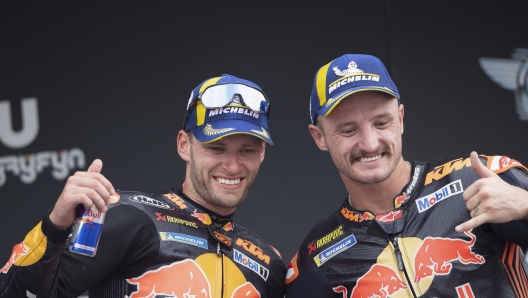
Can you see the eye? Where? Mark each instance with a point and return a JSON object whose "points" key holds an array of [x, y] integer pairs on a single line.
{"points": [[216, 148], [381, 123], [348, 131], [248, 150]]}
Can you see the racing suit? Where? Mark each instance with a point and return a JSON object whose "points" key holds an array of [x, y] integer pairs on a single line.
{"points": [[151, 246], [413, 250]]}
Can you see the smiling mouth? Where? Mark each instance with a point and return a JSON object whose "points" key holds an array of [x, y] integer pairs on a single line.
{"points": [[228, 181], [370, 158]]}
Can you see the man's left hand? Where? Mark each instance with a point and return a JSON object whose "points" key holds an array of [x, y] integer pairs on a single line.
{"points": [[492, 200]]}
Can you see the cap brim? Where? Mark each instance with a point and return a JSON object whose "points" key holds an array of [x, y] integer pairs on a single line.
{"points": [[331, 103], [214, 130]]}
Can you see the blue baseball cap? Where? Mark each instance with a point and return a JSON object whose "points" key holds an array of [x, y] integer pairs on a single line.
{"points": [[211, 124], [345, 75]]}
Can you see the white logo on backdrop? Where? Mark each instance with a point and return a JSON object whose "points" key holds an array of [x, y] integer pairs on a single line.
{"points": [[511, 74], [27, 166]]}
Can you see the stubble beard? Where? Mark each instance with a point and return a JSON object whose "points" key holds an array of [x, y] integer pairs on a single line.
{"points": [[205, 190]]}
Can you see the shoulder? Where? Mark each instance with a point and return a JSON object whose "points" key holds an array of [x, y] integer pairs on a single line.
{"points": [[250, 242], [330, 227]]}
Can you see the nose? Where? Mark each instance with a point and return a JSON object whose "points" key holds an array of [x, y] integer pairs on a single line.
{"points": [[231, 163], [369, 139]]}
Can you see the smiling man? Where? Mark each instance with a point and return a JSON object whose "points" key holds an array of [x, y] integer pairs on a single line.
{"points": [[180, 243], [451, 228]]}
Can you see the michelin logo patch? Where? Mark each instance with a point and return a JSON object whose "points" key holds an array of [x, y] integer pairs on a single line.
{"points": [[243, 260], [182, 238], [334, 250], [443, 193]]}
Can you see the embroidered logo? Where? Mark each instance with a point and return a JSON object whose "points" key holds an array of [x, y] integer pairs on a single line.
{"points": [[352, 68], [210, 131], [263, 133]]}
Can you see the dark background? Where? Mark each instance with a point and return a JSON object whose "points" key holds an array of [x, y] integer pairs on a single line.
{"points": [[113, 79]]}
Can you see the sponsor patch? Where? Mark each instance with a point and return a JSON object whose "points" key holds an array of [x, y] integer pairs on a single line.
{"points": [[182, 238], [253, 249], [176, 200], [162, 217], [334, 250], [329, 237], [446, 169], [210, 131], [443, 193], [247, 262], [389, 216], [231, 109], [150, 201]]}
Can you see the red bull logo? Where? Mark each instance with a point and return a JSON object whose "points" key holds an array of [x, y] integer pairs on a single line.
{"points": [[203, 217], [19, 251], [179, 279], [435, 255], [366, 216], [399, 200], [228, 227], [379, 281]]}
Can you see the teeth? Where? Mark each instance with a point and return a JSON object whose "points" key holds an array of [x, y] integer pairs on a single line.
{"points": [[228, 181], [371, 158]]}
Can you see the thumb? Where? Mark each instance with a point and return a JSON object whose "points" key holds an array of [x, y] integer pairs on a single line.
{"points": [[481, 169], [96, 166]]}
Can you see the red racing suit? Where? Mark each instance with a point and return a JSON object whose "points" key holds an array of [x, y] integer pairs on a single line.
{"points": [[413, 250], [151, 246]]}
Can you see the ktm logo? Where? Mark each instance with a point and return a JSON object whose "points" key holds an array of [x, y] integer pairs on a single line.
{"points": [[253, 249], [226, 240], [176, 200], [19, 251], [349, 214], [446, 169]]}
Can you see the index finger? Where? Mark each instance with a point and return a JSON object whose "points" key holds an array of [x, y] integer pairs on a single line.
{"points": [[472, 223]]}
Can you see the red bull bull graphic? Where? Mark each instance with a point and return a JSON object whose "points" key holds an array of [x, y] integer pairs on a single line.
{"points": [[499, 164], [228, 227], [380, 281], [246, 290], [20, 250], [180, 279], [443, 193], [203, 217], [86, 232], [334, 250], [435, 255]]}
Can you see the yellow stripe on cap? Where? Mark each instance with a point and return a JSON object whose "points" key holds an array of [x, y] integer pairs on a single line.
{"points": [[321, 84], [209, 83], [200, 109]]}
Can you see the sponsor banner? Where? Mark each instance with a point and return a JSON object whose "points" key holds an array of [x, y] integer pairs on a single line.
{"points": [[334, 250], [443, 193], [182, 238], [162, 217], [247, 262]]}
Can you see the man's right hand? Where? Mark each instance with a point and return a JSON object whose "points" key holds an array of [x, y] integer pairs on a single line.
{"points": [[86, 188]]}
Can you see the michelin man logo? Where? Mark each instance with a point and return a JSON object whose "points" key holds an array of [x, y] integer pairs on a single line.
{"points": [[352, 69], [28, 166], [511, 74]]}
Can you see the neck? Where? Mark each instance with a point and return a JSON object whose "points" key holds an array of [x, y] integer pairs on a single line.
{"points": [[379, 197]]}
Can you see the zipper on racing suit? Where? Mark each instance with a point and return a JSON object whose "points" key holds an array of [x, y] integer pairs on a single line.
{"points": [[394, 241]]}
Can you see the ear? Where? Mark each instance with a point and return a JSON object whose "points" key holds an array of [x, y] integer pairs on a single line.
{"points": [[318, 137], [262, 151], [183, 143], [401, 111]]}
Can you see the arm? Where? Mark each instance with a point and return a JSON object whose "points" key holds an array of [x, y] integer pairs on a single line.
{"points": [[275, 283], [301, 283]]}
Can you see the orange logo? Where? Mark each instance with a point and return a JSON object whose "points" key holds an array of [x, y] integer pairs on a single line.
{"points": [[203, 217], [19, 251], [253, 249], [191, 281], [350, 215], [445, 169], [246, 290], [176, 200], [226, 240]]}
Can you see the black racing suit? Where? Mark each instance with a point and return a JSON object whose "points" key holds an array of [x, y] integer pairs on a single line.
{"points": [[413, 250], [151, 246]]}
